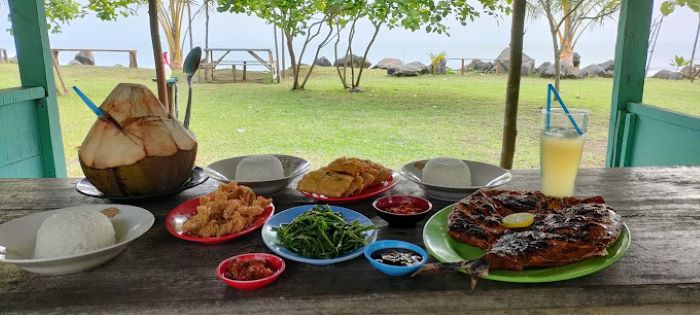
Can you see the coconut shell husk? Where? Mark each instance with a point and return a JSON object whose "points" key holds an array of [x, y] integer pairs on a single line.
{"points": [[137, 148]]}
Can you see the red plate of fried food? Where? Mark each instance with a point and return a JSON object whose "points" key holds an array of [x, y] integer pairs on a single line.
{"points": [[229, 212], [346, 180]]}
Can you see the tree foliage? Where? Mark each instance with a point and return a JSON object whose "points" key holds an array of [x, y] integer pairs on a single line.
{"points": [[679, 61], [170, 16], [567, 20], [306, 18], [291, 16], [435, 60], [414, 15], [667, 7], [59, 12], [171, 19]]}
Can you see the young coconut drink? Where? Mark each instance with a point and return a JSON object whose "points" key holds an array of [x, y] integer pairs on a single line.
{"points": [[136, 147]]}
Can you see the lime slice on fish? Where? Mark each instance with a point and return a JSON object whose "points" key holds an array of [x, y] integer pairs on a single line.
{"points": [[518, 220]]}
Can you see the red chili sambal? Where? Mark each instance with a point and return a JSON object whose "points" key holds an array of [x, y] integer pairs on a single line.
{"points": [[249, 270], [405, 208]]}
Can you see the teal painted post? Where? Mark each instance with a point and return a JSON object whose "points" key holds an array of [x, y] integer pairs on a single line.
{"points": [[35, 70], [630, 61]]}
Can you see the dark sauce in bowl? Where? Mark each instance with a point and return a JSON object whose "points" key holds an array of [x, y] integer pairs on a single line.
{"points": [[397, 256]]}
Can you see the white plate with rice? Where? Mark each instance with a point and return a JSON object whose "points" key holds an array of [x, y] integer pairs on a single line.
{"points": [[451, 182], [70, 241], [265, 173]]}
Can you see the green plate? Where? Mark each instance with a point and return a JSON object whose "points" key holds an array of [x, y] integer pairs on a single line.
{"points": [[445, 249]]}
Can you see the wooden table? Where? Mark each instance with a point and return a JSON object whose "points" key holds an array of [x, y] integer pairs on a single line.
{"points": [[159, 273]]}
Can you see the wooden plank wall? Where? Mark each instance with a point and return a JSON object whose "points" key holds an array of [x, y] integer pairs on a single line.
{"points": [[36, 118], [658, 137], [20, 141]]}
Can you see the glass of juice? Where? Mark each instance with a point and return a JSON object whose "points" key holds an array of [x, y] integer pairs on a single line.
{"points": [[561, 145]]}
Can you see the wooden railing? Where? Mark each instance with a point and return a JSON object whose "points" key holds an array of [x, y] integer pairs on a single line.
{"points": [[463, 59], [133, 62]]}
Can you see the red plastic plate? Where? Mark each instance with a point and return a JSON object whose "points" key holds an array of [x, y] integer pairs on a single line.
{"points": [[367, 193], [177, 217]]}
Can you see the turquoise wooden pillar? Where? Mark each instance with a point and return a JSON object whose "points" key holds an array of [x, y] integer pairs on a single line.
{"points": [[30, 134], [630, 63], [640, 134]]}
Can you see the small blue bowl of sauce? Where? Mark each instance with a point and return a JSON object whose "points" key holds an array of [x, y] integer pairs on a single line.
{"points": [[396, 258]]}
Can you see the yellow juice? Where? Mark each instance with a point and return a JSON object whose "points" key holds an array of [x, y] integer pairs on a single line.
{"points": [[560, 155]]}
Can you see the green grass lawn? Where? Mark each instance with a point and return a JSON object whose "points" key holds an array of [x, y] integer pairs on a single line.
{"points": [[394, 121]]}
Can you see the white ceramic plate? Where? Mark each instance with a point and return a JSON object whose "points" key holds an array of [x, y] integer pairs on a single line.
{"points": [[293, 167], [483, 176], [18, 238]]}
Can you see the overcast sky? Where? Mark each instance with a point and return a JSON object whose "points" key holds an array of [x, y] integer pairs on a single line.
{"points": [[483, 38]]}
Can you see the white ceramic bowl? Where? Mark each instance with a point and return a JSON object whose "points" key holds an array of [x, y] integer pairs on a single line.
{"points": [[293, 167], [483, 176], [18, 238]]}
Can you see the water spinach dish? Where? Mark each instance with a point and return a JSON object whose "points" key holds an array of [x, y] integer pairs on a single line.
{"points": [[321, 233]]}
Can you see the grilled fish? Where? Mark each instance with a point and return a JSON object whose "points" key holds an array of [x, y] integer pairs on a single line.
{"points": [[565, 230]]}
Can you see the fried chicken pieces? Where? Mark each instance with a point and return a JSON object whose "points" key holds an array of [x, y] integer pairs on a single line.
{"points": [[344, 177], [229, 209]]}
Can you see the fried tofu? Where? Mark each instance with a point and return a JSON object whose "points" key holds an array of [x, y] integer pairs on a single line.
{"points": [[325, 182], [350, 166], [344, 177], [367, 180], [355, 187]]}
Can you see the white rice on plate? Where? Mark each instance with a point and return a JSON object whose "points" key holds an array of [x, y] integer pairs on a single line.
{"points": [[255, 168], [447, 172], [72, 232]]}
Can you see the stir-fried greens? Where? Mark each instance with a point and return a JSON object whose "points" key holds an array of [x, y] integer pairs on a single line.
{"points": [[322, 233]]}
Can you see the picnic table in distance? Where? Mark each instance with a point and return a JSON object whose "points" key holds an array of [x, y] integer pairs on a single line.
{"points": [[212, 62]]}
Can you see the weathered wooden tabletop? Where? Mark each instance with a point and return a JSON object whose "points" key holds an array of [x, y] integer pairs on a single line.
{"points": [[159, 273]]}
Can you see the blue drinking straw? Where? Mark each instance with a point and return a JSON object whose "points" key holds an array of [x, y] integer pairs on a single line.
{"points": [[88, 102], [551, 90], [549, 104]]}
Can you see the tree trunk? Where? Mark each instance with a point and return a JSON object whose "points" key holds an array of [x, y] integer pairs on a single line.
{"points": [[356, 84], [284, 67], [352, 59], [566, 55], [318, 50], [557, 64], [692, 55], [157, 52], [300, 84], [176, 53], [176, 49], [189, 24], [510, 130], [292, 60], [277, 54], [566, 47], [341, 75], [172, 25], [206, 31]]}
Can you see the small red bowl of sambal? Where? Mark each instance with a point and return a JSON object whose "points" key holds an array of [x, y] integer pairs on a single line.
{"points": [[250, 271], [402, 211]]}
